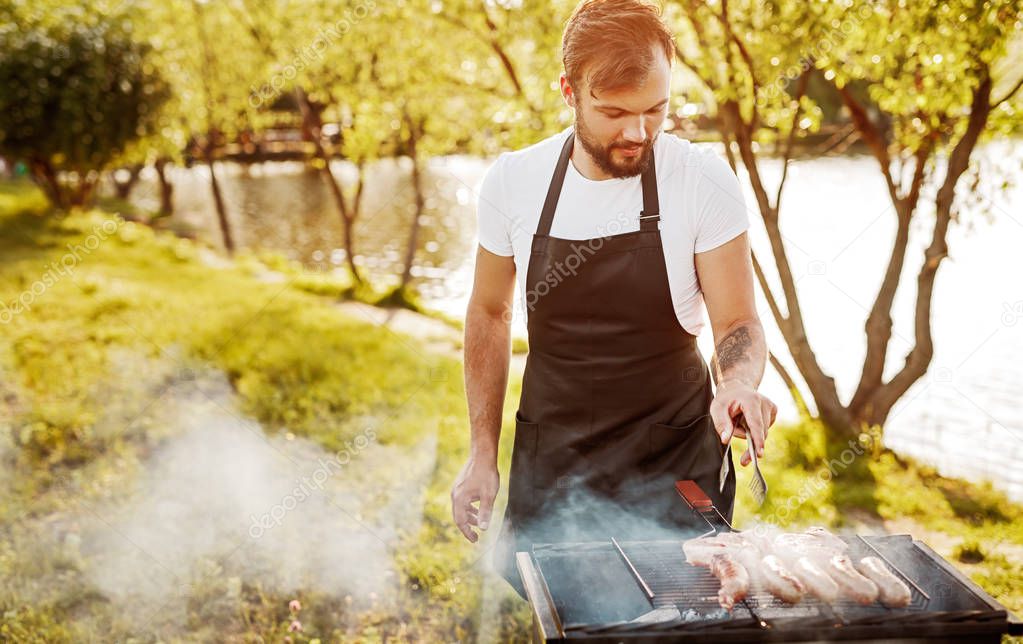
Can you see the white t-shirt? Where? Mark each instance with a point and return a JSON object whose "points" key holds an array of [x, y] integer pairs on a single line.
{"points": [[701, 207]]}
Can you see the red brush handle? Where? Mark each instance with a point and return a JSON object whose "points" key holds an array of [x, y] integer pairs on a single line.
{"points": [[693, 495]]}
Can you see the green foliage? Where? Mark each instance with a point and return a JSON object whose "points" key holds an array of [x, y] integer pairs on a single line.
{"points": [[917, 83], [520, 346], [32, 626], [326, 285], [752, 55], [916, 62], [1000, 576], [969, 552], [22, 196], [400, 297], [74, 92], [921, 61]]}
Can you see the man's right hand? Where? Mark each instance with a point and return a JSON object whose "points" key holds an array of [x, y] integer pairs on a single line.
{"points": [[478, 481]]}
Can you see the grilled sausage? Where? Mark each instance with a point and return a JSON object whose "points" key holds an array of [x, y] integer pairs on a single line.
{"points": [[762, 538], [800, 544], [780, 581], [733, 577], [850, 582], [891, 590], [819, 583], [828, 539], [700, 551]]}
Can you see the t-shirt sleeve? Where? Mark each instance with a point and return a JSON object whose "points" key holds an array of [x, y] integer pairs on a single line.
{"points": [[491, 221], [721, 214]]}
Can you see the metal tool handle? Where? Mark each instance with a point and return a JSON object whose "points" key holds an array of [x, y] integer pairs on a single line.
{"points": [[757, 484], [702, 506], [740, 421]]}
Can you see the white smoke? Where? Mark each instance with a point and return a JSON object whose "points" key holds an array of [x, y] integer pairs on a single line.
{"points": [[223, 500]]}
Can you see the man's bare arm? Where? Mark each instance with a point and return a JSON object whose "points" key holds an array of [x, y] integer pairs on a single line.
{"points": [[741, 352], [488, 349], [726, 279], [487, 354]]}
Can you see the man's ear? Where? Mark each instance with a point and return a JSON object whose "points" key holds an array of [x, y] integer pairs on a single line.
{"points": [[567, 92]]}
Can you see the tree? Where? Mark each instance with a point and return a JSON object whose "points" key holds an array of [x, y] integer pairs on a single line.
{"points": [[508, 61], [206, 58], [498, 89], [315, 62], [916, 80], [75, 89]]}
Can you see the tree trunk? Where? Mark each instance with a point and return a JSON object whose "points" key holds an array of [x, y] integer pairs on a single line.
{"points": [[790, 322], [347, 218], [311, 131], [348, 226], [166, 188], [81, 194], [45, 177], [417, 186], [123, 188], [218, 199], [883, 398]]}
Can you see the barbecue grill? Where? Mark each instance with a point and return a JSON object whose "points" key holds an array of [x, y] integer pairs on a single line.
{"points": [[644, 591]]}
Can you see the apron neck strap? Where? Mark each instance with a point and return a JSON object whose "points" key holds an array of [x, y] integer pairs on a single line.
{"points": [[651, 212], [647, 218]]}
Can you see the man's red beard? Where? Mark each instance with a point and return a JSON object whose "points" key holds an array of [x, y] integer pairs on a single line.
{"points": [[624, 166]]}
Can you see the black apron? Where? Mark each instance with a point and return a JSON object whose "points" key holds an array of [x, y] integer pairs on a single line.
{"points": [[615, 394]]}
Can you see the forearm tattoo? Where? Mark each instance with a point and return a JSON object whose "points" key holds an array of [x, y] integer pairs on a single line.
{"points": [[733, 349]]}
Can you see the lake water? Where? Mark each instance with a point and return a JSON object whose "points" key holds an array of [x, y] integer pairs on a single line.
{"points": [[838, 226]]}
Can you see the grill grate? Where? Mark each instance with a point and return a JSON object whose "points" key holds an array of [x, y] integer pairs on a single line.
{"points": [[582, 603], [663, 566]]}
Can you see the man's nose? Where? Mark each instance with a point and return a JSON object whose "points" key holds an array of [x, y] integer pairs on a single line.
{"points": [[635, 132]]}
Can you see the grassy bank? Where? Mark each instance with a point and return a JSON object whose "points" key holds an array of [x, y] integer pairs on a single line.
{"points": [[90, 346], [77, 429]]}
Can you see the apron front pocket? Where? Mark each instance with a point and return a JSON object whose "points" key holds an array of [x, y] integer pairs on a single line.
{"points": [[692, 451], [689, 451], [521, 473]]}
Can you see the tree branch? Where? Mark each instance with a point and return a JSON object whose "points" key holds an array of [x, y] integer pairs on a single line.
{"points": [[871, 136], [728, 150], [491, 40], [878, 326], [919, 358], [1009, 95], [797, 396], [772, 301], [804, 78], [793, 328], [747, 59]]}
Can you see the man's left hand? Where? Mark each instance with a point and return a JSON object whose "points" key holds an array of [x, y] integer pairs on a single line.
{"points": [[734, 397]]}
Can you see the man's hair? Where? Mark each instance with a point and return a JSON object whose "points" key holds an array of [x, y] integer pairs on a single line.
{"points": [[608, 44]]}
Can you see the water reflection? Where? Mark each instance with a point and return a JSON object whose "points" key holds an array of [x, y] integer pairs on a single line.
{"points": [[838, 228], [287, 207]]}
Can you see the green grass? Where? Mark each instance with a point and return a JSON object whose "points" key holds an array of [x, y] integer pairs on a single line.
{"points": [[297, 364]]}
